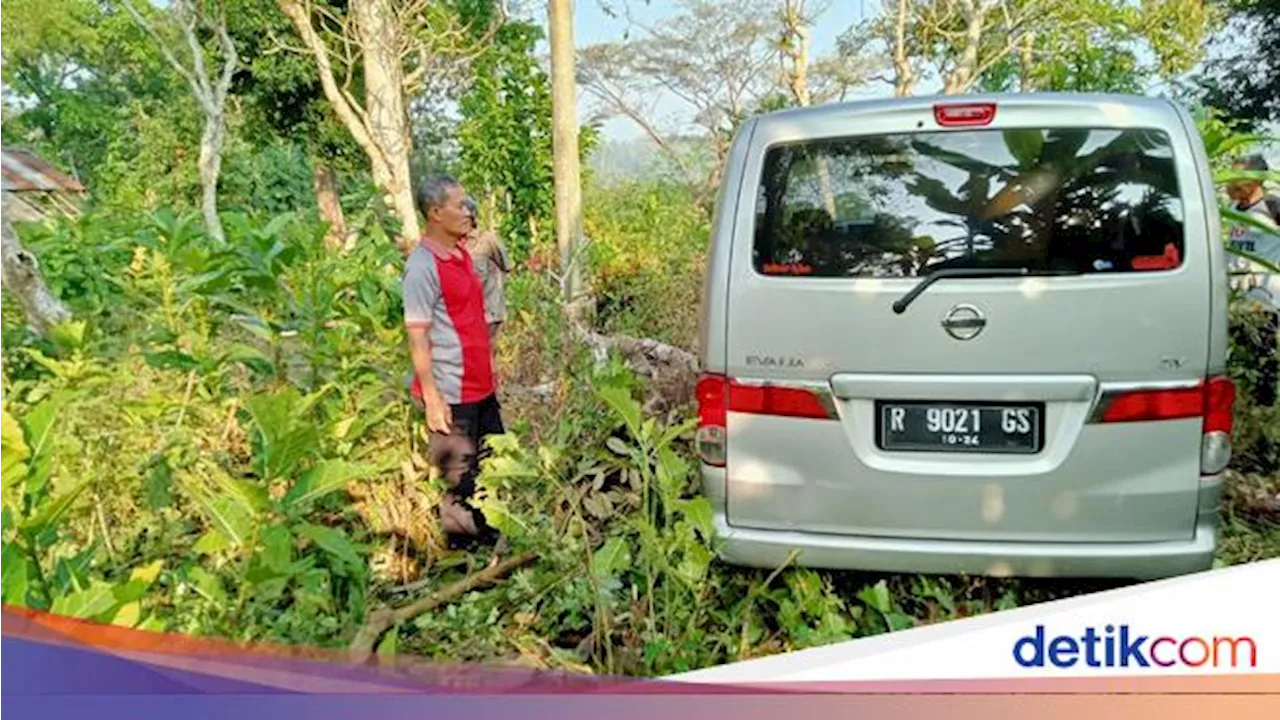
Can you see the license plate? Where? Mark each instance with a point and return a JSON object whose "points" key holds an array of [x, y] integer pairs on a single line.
{"points": [[960, 427]]}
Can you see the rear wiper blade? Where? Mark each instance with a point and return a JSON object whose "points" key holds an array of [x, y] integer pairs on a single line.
{"points": [[900, 305]]}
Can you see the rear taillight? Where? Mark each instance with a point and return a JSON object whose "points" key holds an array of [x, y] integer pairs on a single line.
{"points": [[774, 400], [1219, 417], [964, 114], [1163, 404], [712, 392], [718, 395], [1213, 401]]}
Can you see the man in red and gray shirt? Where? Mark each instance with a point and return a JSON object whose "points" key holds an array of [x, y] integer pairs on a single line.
{"points": [[449, 343]]}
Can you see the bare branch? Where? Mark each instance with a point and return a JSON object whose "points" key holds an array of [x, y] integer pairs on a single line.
{"points": [[350, 112], [187, 17], [229, 58], [165, 50]]}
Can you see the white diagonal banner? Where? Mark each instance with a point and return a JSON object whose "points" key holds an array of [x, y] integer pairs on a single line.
{"points": [[1217, 622]]}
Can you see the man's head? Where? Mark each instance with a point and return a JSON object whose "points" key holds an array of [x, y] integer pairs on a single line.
{"points": [[442, 202], [1247, 192]]}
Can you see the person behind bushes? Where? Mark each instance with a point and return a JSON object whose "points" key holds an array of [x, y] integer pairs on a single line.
{"points": [[492, 263], [453, 375], [1259, 286]]}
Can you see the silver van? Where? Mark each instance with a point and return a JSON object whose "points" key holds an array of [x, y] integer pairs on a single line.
{"points": [[977, 334]]}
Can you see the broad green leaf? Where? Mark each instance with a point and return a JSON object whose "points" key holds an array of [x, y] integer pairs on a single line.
{"points": [[270, 588], [806, 587], [172, 360], [52, 510], [211, 542], [693, 568], [128, 615], [57, 367], [95, 601], [38, 424], [672, 472], [676, 431], [626, 408], [500, 517], [508, 467], [286, 438], [277, 548], [252, 357], [342, 427], [147, 573], [16, 582], [877, 597], [207, 584], [227, 512], [13, 466], [153, 624], [159, 479], [323, 478], [610, 559], [332, 541], [230, 518], [252, 497], [69, 334], [699, 513]]}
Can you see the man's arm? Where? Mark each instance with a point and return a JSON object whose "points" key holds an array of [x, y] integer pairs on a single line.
{"points": [[439, 417], [421, 296]]}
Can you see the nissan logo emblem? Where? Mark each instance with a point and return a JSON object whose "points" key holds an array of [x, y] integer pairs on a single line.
{"points": [[964, 322]]}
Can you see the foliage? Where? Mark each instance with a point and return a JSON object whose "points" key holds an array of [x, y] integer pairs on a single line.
{"points": [[648, 243], [504, 138], [1243, 78], [1085, 45]]}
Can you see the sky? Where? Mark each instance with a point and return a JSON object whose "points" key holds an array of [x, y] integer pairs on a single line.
{"points": [[592, 24]]}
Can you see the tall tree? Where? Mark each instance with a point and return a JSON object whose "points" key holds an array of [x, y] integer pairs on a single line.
{"points": [[392, 47], [283, 102], [564, 123], [209, 88]]}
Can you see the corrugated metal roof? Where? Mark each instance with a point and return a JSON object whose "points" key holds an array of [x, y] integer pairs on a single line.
{"points": [[24, 171]]}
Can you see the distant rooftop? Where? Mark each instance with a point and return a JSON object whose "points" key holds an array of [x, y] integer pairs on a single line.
{"points": [[25, 171]]}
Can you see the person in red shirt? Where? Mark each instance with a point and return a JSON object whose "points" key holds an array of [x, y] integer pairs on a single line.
{"points": [[449, 343]]}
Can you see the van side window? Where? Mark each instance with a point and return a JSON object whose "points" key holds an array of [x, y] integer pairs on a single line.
{"points": [[1086, 200]]}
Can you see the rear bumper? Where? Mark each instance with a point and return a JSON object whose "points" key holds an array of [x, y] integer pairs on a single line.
{"points": [[1136, 560]]}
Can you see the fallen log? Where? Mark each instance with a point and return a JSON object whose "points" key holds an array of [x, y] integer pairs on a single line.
{"points": [[384, 618], [22, 277]]}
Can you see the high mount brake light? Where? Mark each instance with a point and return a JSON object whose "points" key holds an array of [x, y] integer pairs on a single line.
{"points": [[964, 114]]}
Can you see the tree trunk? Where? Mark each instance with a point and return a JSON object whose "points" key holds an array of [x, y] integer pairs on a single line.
{"points": [[965, 73], [329, 205], [210, 169], [22, 278], [904, 81], [1026, 61], [796, 26], [564, 111], [384, 103]]}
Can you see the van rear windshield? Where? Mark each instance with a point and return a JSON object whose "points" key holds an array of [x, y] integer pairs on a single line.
{"points": [[1054, 200]]}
